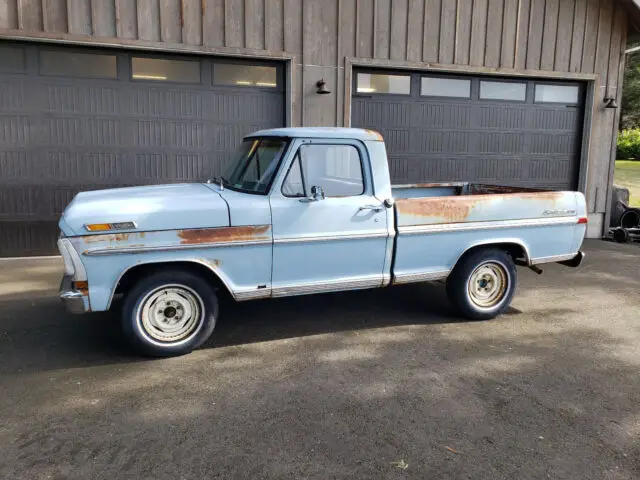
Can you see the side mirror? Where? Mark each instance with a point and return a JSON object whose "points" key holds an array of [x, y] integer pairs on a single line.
{"points": [[317, 193], [389, 202]]}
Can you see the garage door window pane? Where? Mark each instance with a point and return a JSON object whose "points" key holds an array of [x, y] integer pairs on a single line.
{"points": [[163, 70], [11, 59], [245, 75], [70, 64], [445, 87], [379, 83], [503, 91], [556, 93], [335, 168]]}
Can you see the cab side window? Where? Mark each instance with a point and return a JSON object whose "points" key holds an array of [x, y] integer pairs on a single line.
{"points": [[337, 169]]}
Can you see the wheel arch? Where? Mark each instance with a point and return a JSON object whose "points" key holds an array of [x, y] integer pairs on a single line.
{"points": [[135, 272], [514, 247]]}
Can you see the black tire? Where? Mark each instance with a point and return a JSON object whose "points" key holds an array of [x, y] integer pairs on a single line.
{"points": [[178, 289], [467, 300]]}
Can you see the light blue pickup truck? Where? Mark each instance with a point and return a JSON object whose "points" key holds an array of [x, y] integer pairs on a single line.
{"points": [[300, 211]]}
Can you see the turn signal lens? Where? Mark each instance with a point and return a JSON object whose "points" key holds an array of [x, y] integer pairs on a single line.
{"points": [[583, 221], [98, 227], [82, 286], [103, 227]]}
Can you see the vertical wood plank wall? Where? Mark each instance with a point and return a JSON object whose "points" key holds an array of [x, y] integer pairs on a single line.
{"points": [[585, 36]]}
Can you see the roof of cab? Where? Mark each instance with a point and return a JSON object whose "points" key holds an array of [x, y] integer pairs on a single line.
{"points": [[320, 132]]}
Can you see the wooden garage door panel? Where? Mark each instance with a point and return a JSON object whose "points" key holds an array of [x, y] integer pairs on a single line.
{"points": [[61, 135]]}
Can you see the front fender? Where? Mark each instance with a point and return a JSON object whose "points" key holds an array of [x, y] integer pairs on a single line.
{"points": [[239, 256]]}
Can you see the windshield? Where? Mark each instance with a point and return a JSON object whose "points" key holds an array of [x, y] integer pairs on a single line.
{"points": [[254, 164]]}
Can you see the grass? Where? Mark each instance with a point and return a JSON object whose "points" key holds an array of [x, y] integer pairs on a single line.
{"points": [[628, 175]]}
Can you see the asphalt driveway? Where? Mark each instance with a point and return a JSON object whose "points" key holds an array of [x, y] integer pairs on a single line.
{"points": [[376, 384]]}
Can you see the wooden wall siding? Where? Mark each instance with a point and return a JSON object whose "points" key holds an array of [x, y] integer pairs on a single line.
{"points": [[148, 19], [522, 33], [54, 16], [580, 36], [432, 25], [79, 17], [101, 10], [126, 19], [509, 34], [560, 35]]}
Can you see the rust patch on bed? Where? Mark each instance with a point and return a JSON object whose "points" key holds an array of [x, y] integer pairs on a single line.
{"points": [[224, 234], [451, 209], [458, 209]]}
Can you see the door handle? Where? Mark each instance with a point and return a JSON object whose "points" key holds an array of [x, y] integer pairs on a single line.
{"points": [[375, 208]]}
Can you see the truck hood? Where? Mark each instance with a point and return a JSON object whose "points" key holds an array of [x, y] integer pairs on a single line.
{"points": [[158, 207]]}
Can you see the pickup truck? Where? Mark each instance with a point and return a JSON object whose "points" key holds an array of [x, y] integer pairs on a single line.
{"points": [[301, 211]]}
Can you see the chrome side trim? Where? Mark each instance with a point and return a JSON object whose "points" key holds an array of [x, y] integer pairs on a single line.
{"points": [[420, 277], [70, 255], [171, 248], [493, 225], [329, 238], [252, 294], [327, 286], [553, 258]]}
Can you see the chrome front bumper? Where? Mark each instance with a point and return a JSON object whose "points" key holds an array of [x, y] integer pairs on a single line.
{"points": [[74, 301]]}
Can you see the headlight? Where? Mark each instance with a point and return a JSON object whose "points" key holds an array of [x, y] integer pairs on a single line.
{"points": [[72, 263]]}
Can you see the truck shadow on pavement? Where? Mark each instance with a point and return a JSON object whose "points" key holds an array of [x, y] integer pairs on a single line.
{"points": [[36, 334]]}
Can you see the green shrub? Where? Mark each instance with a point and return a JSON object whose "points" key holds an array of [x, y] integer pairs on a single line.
{"points": [[628, 147]]}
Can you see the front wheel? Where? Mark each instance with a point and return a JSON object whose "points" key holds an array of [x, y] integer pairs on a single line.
{"points": [[169, 313], [482, 284]]}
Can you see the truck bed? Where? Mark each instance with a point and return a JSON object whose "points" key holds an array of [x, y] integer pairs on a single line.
{"points": [[445, 203], [437, 223]]}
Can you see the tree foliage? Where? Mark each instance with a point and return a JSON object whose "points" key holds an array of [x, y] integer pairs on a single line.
{"points": [[630, 114]]}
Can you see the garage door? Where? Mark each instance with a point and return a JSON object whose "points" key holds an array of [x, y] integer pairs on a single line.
{"points": [[474, 129], [73, 119]]}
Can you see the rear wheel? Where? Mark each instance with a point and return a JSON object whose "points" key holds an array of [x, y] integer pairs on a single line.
{"points": [[169, 313], [482, 284]]}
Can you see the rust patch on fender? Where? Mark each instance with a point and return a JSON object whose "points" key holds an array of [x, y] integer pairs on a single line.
{"points": [[224, 234], [111, 237], [212, 263]]}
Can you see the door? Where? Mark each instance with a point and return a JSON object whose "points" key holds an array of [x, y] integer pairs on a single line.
{"points": [[330, 231]]}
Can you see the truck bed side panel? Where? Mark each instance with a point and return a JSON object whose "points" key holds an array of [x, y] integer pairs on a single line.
{"points": [[434, 232]]}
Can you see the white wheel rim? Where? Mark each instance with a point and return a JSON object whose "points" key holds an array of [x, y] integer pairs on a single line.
{"points": [[170, 314], [488, 285]]}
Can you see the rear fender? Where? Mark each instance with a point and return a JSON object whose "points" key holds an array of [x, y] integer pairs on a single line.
{"points": [[498, 243]]}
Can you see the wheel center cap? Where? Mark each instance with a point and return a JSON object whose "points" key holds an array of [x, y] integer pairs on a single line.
{"points": [[170, 312]]}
